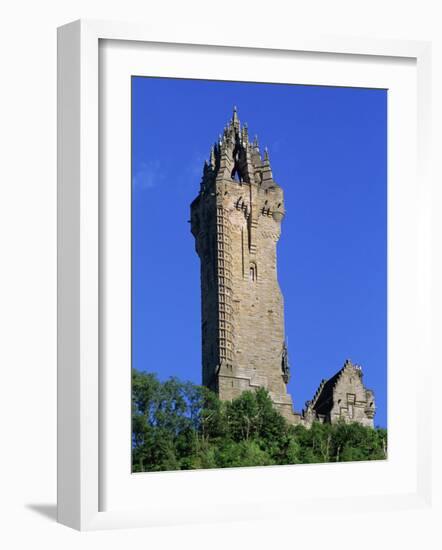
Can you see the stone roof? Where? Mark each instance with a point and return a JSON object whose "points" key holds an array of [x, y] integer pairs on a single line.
{"points": [[324, 400]]}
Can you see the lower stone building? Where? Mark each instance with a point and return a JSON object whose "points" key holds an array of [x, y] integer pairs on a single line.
{"points": [[343, 397]]}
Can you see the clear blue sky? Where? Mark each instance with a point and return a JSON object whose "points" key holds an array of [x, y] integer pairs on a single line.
{"points": [[328, 150]]}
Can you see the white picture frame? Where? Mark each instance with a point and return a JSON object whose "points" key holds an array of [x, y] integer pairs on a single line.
{"points": [[80, 395]]}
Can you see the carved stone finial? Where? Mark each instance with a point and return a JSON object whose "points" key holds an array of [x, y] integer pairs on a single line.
{"points": [[245, 134], [235, 119]]}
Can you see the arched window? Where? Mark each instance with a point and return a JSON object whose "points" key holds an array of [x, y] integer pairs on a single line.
{"points": [[253, 273]]}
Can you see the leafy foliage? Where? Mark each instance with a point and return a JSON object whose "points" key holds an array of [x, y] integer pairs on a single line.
{"points": [[181, 426]]}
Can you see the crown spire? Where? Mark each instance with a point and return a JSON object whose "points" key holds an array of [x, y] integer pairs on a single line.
{"points": [[235, 119], [245, 133]]}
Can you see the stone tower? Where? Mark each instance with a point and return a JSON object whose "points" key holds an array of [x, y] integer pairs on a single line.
{"points": [[236, 221]]}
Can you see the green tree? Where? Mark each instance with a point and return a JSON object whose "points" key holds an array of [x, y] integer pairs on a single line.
{"points": [[180, 426]]}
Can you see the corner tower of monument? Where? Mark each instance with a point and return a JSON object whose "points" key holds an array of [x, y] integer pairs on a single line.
{"points": [[236, 221]]}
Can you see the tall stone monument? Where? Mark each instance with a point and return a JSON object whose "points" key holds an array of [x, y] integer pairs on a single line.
{"points": [[236, 221]]}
